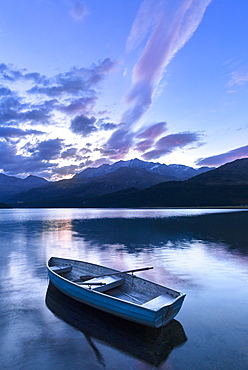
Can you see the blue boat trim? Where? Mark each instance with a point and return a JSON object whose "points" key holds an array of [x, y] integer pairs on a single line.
{"points": [[156, 312]]}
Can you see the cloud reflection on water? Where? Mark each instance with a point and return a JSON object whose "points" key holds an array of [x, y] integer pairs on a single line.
{"points": [[227, 229]]}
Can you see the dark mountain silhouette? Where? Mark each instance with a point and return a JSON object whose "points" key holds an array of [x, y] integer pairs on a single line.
{"points": [[130, 186], [10, 185], [122, 178], [94, 181], [231, 173], [3, 205], [165, 195], [214, 188]]}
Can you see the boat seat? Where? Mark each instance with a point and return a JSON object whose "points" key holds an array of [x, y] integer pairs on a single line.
{"points": [[109, 282], [61, 269], [158, 302]]}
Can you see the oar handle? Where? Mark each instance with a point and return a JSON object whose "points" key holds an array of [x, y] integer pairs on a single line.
{"points": [[136, 270]]}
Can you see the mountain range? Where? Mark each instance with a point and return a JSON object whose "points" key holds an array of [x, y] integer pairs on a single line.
{"points": [[134, 183], [225, 186], [169, 172], [94, 181], [11, 185]]}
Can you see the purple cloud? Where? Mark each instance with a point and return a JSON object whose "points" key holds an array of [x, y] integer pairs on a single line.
{"points": [[82, 105], [5, 91], [217, 160], [106, 126], [65, 170], [171, 24], [75, 81], [177, 140], [119, 143], [11, 108], [13, 163], [74, 93], [169, 143], [69, 153], [9, 73], [49, 149], [14, 111], [6, 152], [144, 145], [140, 99], [83, 125], [12, 132], [149, 135], [153, 131]]}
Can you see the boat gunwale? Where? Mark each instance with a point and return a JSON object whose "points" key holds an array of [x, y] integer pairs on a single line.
{"points": [[101, 294]]}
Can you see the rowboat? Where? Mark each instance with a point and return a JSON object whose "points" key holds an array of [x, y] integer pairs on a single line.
{"points": [[120, 293], [150, 345]]}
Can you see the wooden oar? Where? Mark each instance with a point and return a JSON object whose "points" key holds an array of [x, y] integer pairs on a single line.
{"points": [[86, 277]]}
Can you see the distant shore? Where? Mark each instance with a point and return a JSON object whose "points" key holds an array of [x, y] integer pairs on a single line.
{"points": [[6, 206], [3, 206]]}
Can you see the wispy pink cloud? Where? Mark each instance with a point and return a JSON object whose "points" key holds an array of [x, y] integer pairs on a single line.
{"points": [[174, 23], [153, 131], [119, 143], [223, 158], [123, 139], [169, 143], [144, 145], [167, 25], [149, 135]]}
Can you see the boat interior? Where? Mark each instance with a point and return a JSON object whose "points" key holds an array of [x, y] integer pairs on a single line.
{"points": [[121, 285]]}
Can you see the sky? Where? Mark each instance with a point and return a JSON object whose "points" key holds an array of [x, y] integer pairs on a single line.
{"points": [[87, 82]]}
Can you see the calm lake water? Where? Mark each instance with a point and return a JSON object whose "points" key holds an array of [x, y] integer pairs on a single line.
{"points": [[203, 253]]}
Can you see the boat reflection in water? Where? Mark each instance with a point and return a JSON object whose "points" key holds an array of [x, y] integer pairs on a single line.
{"points": [[144, 343]]}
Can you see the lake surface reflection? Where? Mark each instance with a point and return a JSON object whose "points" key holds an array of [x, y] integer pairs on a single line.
{"points": [[203, 253]]}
